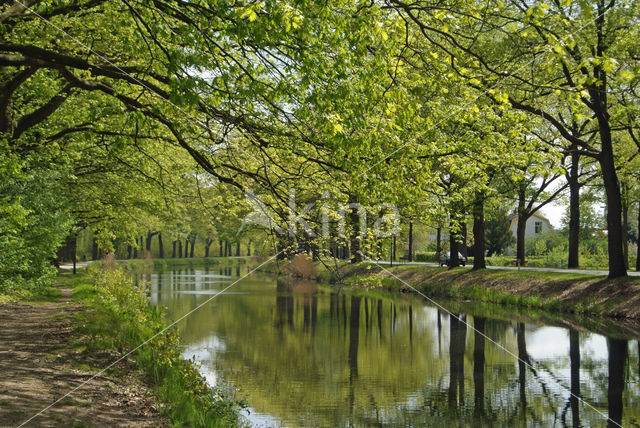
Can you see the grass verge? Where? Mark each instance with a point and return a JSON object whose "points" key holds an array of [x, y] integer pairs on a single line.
{"points": [[120, 319], [551, 291]]}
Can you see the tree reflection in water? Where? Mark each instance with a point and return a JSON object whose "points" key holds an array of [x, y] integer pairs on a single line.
{"points": [[313, 357]]}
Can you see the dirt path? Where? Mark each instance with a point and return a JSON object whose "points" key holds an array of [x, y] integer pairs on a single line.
{"points": [[41, 359]]}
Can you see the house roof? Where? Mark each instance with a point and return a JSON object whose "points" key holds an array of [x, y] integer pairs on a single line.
{"points": [[513, 217]]}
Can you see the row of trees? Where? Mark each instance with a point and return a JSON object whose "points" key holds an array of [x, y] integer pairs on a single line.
{"points": [[147, 116]]}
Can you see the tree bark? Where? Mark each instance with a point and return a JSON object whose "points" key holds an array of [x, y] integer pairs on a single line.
{"points": [[454, 260], [173, 253], [410, 255], [638, 249], [193, 245], [249, 248], [160, 246], [438, 244], [207, 245], [521, 227], [356, 237], [186, 248], [238, 249], [617, 267], [574, 213], [94, 249], [478, 234], [625, 224], [220, 243], [179, 248], [463, 235]]}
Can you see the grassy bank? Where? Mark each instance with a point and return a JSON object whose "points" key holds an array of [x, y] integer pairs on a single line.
{"points": [[186, 262], [119, 319], [552, 291]]}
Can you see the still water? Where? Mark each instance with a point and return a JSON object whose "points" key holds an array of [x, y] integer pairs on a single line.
{"points": [[307, 355]]}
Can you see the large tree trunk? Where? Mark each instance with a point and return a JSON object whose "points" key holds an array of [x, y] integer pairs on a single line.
{"points": [[173, 253], [574, 212], [478, 233], [193, 245], [238, 249], [249, 248], [180, 248], [160, 246], [186, 248], [221, 251], [617, 267], [638, 249], [625, 224], [438, 244], [410, 255]]}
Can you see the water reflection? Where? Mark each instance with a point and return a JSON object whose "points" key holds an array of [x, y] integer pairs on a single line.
{"points": [[305, 356]]}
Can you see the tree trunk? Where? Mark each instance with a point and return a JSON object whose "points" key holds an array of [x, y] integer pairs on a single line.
{"points": [[438, 244], [148, 241], [94, 249], [356, 237], [638, 249], [454, 260], [173, 253], [193, 245], [129, 251], [179, 248], [160, 246], [410, 255], [238, 249], [463, 233], [186, 248], [394, 254], [249, 248], [207, 245], [478, 233], [617, 267], [625, 225], [521, 228], [574, 212], [220, 243]]}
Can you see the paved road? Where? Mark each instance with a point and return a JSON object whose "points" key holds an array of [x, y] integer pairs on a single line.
{"points": [[78, 265], [583, 271]]}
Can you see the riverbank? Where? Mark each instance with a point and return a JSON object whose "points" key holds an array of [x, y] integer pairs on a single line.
{"points": [[553, 291], [52, 347]]}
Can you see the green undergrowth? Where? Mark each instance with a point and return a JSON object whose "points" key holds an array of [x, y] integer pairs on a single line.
{"points": [[186, 262], [367, 278], [120, 320]]}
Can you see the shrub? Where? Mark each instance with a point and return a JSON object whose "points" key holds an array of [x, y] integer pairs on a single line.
{"points": [[124, 320]]}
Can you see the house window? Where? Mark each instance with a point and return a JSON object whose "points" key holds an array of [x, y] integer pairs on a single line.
{"points": [[538, 226]]}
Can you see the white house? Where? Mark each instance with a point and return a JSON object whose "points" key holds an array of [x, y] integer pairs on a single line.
{"points": [[536, 225]]}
